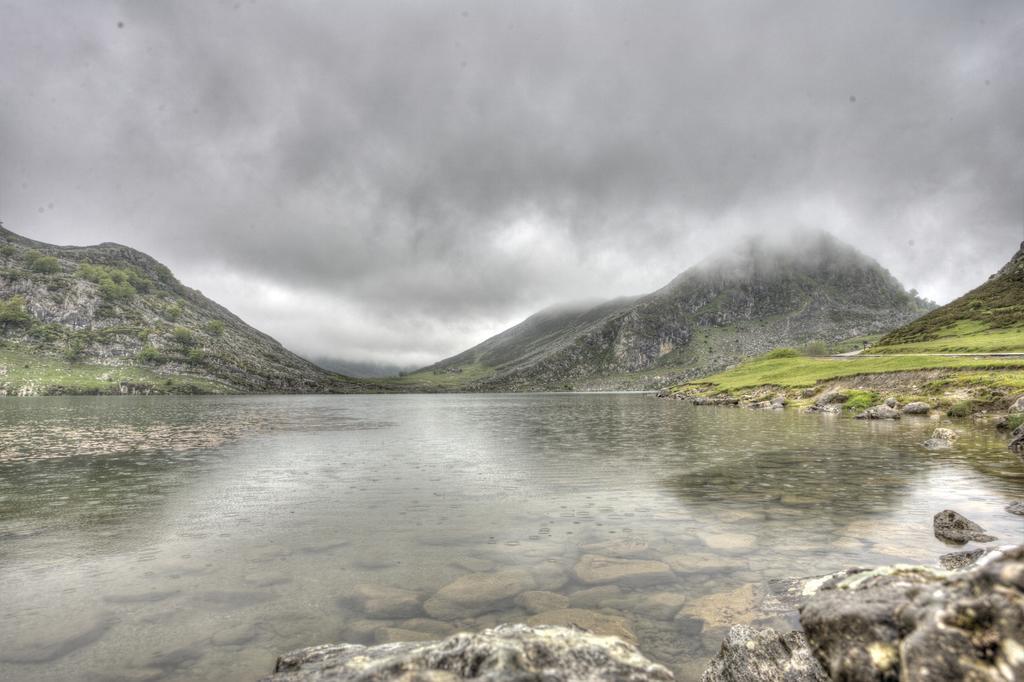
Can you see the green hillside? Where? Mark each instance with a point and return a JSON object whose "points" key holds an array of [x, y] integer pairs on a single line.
{"points": [[960, 356]]}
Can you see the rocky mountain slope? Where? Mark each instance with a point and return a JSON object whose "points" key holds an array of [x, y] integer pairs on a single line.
{"points": [[965, 359], [765, 294], [110, 319]]}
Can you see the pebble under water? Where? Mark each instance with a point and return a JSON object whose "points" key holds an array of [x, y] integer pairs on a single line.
{"points": [[198, 538]]}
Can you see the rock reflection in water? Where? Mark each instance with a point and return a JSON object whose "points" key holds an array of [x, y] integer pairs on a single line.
{"points": [[200, 538]]}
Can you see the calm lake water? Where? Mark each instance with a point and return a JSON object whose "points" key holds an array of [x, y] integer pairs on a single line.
{"points": [[198, 538]]}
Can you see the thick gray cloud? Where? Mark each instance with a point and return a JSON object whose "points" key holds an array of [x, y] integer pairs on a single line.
{"points": [[393, 181]]}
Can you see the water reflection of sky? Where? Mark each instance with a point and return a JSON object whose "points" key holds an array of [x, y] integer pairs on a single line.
{"points": [[177, 520]]}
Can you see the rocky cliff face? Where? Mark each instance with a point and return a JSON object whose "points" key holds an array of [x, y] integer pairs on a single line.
{"points": [[116, 307], [762, 296]]}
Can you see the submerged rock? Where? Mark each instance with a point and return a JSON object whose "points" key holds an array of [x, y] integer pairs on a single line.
{"points": [[1016, 508], [596, 570], [736, 606], [951, 527], [478, 593], [917, 407], [941, 438], [591, 621], [382, 601], [752, 655], [913, 623], [879, 412], [507, 652], [537, 601]]}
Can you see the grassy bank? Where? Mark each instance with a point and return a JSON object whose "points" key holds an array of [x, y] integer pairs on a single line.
{"points": [[33, 374]]}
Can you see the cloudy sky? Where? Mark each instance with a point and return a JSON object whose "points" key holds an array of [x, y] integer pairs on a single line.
{"points": [[393, 181]]}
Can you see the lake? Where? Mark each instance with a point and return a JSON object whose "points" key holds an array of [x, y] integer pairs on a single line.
{"points": [[197, 538]]}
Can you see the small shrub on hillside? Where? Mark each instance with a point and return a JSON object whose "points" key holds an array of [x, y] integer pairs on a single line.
{"points": [[215, 328], [964, 408], [184, 336], [37, 262], [116, 284], [196, 357], [150, 355], [814, 349], [779, 353], [76, 348], [7, 250], [13, 312], [172, 312]]}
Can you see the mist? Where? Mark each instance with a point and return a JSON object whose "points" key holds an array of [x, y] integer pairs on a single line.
{"points": [[391, 183]]}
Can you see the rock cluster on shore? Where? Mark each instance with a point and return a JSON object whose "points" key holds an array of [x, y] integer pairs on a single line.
{"points": [[900, 622]]}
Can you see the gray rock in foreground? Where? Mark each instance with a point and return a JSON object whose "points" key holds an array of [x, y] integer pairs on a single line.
{"points": [[917, 408], [918, 624], [955, 528], [507, 653], [879, 412], [752, 655]]}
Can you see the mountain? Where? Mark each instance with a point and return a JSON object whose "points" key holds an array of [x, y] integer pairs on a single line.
{"points": [[765, 294], [362, 370], [989, 318], [110, 319]]}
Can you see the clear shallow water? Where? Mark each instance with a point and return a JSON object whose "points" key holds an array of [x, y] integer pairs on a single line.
{"points": [[198, 538]]}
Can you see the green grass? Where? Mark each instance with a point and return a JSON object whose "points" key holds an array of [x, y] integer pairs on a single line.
{"points": [[802, 372], [50, 375], [442, 380], [858, 401], [968, 336]]}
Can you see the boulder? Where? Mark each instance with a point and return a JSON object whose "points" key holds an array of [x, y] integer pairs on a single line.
{"points": [[916, 624], [507, 652], [954, 528], [1016, 508], [593, 569], [892, 402], [538, 601], [831, 397], [954, 561], [478, 593], [941, 439], [917, 407], [879, 412], [1018, 406], [752, 655], [1017, 444]]}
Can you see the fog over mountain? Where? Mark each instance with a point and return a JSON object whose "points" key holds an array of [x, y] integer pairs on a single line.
{"points": [[391, 183]]}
